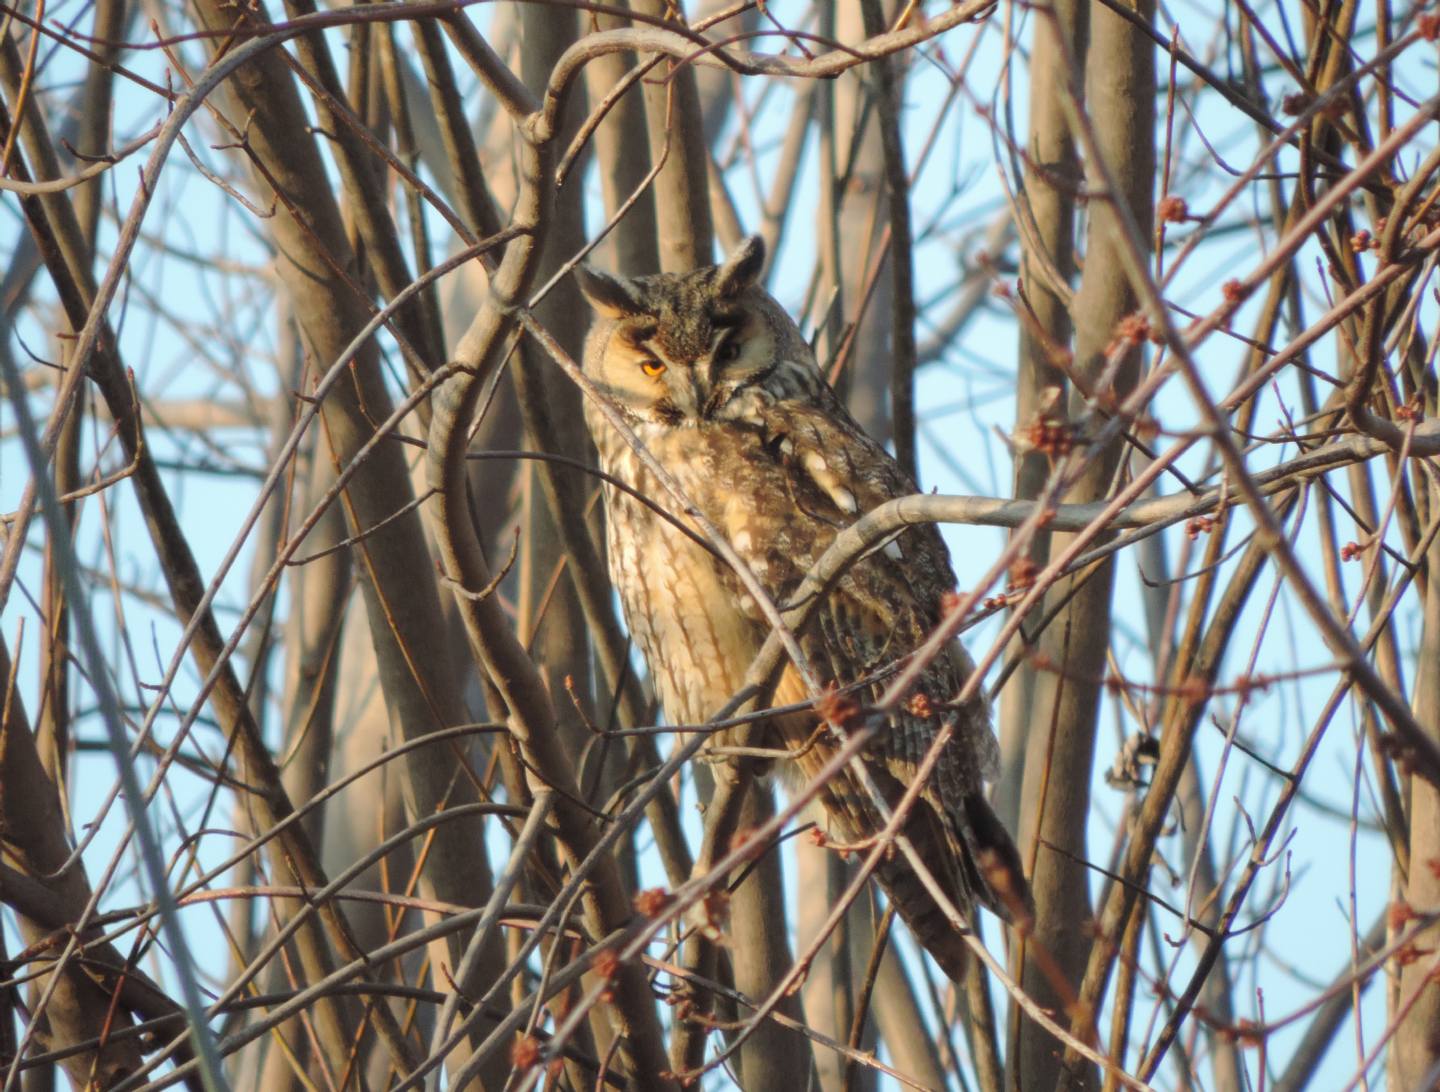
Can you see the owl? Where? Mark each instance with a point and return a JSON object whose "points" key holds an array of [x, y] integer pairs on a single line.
{"points": [[718, 383]]}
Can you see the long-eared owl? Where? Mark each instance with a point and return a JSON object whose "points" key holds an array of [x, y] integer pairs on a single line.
{"points": [[720, 386]]}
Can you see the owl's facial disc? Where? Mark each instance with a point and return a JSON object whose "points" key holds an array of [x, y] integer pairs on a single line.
{"points": [[676, 348], [646, 378], [659, 378]]}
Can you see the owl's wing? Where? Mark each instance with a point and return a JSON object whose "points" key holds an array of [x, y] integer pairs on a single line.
{"points": [[810, 472], [891, 600]]}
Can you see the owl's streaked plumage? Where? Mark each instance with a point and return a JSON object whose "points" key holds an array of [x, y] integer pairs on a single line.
{"points": [[718, 383]]}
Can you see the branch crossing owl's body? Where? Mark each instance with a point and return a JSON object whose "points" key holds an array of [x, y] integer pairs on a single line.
{"points": [[719, 385]]}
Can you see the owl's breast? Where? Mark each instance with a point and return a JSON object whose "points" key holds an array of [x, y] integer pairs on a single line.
{"points": [[696, 634]]}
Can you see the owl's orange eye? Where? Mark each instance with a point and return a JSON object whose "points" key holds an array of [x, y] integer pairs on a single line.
{"points": [[651, 368]]}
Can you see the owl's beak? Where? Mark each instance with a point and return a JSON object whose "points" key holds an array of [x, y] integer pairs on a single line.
{"points": [[718, 397], [706, 396]]}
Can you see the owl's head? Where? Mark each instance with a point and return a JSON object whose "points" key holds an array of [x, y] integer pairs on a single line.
{"points": [[683, 348]]}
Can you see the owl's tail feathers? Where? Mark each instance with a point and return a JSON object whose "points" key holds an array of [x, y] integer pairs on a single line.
{"points": [[990, 852], [966, 849], [971, 855], [935, 845]]}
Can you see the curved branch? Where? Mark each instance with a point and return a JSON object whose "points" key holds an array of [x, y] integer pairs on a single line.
{"points": [[1149, 516], [695, 49]]}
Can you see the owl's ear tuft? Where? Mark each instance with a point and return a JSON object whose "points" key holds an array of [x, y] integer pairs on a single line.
{"points": [[611, 297], [742, 268]]}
